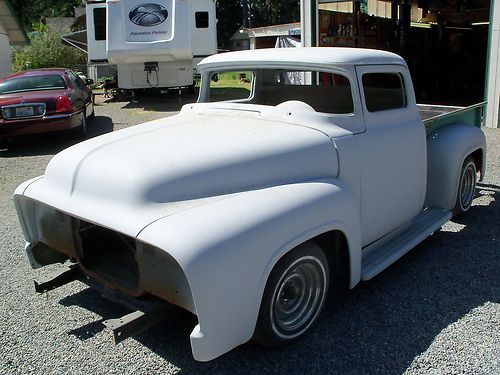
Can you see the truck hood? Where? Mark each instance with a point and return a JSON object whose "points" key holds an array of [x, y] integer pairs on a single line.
{"points": [[191, 156]]}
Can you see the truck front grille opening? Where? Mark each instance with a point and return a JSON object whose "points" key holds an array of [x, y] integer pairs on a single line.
{"points": [[109, 254]]}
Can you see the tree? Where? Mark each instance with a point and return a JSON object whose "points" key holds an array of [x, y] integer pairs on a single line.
{"points": [[232, 15], [35, 11], [230, 18], [46, 51], [274, 12]]}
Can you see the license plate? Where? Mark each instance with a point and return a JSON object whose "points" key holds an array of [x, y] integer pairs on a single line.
{"points": [[24, 111]]}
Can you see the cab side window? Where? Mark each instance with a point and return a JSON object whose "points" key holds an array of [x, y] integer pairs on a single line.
{"points": [[384, 91]]}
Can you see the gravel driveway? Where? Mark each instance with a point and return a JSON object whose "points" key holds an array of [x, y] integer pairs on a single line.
{"points": [[437, 310]]}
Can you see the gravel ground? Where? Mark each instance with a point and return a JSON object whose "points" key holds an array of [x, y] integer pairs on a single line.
{"points": [[437, 310]]}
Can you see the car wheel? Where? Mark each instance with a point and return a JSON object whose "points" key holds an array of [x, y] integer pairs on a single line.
{"points": [[466, 187], [294, 296]]}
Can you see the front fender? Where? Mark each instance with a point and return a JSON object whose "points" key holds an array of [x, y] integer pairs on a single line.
{"points": [[447, 149], [228, 248]]}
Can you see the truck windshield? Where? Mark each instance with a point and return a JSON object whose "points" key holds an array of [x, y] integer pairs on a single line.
{"points": [[324, 91]]}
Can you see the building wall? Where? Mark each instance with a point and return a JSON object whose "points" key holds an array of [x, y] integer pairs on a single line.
{"points": [[5, 54]]}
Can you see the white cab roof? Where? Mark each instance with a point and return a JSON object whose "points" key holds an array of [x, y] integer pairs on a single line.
{"points": [[301, 56]]}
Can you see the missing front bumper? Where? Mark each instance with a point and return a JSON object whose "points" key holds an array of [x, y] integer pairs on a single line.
{"points": [[147, 311]]}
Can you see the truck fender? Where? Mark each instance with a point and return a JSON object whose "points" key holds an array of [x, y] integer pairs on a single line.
{"points": [[447, 149], [228, 248]]}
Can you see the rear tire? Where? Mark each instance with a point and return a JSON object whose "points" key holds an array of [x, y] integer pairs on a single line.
{"points": [[466, 187], [294, 296], [92, 115]]}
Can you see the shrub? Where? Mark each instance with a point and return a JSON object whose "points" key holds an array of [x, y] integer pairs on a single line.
{"points": [[46, 50]]}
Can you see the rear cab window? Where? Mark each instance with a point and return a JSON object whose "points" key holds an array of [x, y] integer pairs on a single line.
{"points": [[326, 92]]}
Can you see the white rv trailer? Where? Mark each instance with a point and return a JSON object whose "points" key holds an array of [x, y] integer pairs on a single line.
{"points": [[153, 43]]}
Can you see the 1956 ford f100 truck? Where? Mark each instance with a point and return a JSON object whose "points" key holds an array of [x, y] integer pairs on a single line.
{"points": [[298, 170]]}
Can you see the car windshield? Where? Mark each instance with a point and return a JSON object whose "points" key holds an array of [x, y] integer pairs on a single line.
{"points": [[33, 83]]}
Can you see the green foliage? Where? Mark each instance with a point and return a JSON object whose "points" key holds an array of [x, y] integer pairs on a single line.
{"points": [[229, 13], [230, 17], [46, 51], [35, 11], [274, 12], [262, 13]]}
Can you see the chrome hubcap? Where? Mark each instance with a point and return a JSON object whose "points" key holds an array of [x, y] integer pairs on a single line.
{"points": [[298, 297], [467, 187]]}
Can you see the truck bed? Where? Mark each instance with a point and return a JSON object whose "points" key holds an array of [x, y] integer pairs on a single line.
{"points": [[437, 116]]}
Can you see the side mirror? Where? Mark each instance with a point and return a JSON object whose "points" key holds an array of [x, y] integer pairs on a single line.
{"points": [[89, 81]]}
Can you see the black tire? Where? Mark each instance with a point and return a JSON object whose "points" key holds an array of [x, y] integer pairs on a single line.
{"points": [[294, 296], [466, 187], [4, 143], [92, 115]]}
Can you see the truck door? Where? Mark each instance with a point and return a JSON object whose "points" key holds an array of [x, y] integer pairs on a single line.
{"points": [[392, 151]]}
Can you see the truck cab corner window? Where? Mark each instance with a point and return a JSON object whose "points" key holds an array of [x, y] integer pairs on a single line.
{"points": [[384, 91], [231, 86]]}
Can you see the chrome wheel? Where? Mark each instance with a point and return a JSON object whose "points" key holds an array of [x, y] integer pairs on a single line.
{"points": [[298, 297], [466, 187], [294, 296]]}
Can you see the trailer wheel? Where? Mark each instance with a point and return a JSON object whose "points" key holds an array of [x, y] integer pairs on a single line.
{"points": [[294, 296], [466, 187]]}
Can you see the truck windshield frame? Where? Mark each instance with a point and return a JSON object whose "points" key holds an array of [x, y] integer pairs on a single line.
{"points": [[328, 92]]}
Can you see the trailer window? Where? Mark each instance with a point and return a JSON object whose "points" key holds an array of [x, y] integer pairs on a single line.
{"points": [[226, 86], [100, 23], [384, 91], [201, 20]]}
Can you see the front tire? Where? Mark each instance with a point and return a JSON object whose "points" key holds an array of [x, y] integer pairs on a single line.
{"points": [[92, 115], [294, 296], [466, 187]]}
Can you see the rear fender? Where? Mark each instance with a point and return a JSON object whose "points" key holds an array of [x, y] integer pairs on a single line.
{"points": [[228, 248], [447, 148]]}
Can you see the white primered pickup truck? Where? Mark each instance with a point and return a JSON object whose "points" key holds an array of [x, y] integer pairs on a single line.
{"points": [[296, 171]]}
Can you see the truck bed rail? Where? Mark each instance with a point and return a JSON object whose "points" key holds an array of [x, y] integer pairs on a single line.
{"points": [[435, 117]]}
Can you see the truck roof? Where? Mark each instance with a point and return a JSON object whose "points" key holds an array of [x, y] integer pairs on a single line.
{"points": [[302, 56]]}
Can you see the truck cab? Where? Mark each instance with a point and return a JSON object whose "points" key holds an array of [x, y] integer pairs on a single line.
{"points": [[299, 170]]}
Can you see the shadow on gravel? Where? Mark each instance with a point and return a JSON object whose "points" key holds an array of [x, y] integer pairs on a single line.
{"points": [[170, 102], [49, 144], [378, 327], [152, 101]]}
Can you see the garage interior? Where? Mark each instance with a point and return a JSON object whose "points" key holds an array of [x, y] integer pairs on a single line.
{"points": [[445, 42]]}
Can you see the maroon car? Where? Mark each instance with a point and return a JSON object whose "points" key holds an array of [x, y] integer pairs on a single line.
{"points": [[42, 101]]}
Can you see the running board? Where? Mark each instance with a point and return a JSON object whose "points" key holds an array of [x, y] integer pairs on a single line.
{"points": [[382, 253]]}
